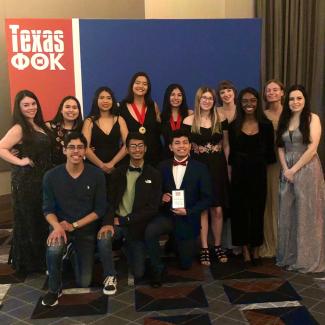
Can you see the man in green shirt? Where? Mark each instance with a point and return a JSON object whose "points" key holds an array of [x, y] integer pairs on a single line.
{"points": [[134, 194]]}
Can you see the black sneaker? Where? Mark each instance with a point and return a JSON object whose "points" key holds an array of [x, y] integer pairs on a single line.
{"points": [[158, 277], [110, 284], [51, 299]]}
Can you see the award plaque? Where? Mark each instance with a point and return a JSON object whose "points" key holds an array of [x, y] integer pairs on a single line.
{"points": [[178, 199]]}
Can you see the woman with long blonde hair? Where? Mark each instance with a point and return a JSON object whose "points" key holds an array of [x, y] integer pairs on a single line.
{"points": [[209, 137]]}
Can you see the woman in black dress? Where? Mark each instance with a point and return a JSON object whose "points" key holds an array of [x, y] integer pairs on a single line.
{"points": [[251, 149], [226, 94], [209, 137], [105, 131], [30, 137], [68, 118], [142, 114], [175, 109]]}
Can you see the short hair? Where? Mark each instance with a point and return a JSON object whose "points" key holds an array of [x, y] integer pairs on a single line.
{"points": [[225, 84], [135, 136], [182, 132], [73, 136]]}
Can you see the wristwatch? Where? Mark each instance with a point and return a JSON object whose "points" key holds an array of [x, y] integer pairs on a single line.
{"points": [[75, 225]]}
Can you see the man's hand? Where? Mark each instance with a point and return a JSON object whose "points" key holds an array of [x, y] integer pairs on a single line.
{"points": [[166, 198], [103, 232], [55, 237], [180, 211], [116, 221], [67, 226]]}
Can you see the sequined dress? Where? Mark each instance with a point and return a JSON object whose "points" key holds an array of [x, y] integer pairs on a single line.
{"points": [[30, 229], [207, 148], [301, 234]]}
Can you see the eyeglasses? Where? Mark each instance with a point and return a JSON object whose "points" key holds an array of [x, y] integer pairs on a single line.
{"points": [[134, 146], [249, 101], [208, 99], [73, 148]]}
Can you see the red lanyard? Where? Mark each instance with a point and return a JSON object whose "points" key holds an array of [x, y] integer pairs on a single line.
{"points": [[140, 116], [175, 125]]}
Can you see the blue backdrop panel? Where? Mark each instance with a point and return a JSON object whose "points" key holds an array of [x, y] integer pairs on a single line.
{"points": [[189, 52]]}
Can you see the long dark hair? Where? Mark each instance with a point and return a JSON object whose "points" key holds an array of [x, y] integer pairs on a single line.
{"points": [[19, 118], [95, 112], [166, 111], [130, 95], [58, 118], [259, 115], [305, 117]]}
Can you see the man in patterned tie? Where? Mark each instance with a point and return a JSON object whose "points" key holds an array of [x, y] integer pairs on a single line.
{"points": [[134, 193], [186, 193]]}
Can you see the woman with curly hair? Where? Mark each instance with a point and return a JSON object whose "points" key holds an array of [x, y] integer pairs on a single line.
{"points": [[30, 138]]}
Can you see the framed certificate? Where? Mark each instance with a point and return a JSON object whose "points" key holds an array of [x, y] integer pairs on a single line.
{"points": [[178, 199]]}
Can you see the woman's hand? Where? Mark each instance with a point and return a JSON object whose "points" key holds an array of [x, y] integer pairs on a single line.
{"points": [[108, 167], [289, 174], [26, 161]]}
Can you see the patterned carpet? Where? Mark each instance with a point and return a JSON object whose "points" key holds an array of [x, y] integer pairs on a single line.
{"points": [[222, 294]]}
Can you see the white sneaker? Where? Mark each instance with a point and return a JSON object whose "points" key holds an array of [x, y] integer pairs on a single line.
{"points": [[110, 285]]}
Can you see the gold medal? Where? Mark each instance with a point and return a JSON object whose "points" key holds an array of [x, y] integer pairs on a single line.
{"points": [[142, 130]]}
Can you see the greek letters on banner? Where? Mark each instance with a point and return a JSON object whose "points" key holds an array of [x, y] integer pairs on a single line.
{"points": [[40, 58]]}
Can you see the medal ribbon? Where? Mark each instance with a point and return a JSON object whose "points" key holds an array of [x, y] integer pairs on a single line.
{"points": [[175, 125], [140, 116]]}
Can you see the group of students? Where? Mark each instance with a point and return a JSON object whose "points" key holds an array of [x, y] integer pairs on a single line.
{"points": [[263, 174]]}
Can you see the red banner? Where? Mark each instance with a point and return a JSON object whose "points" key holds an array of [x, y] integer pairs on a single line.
{"points": [[40, 59]]}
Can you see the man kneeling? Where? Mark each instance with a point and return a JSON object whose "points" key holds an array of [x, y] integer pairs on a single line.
{"points": [[134, 193], [74, 196], [189, 181]]}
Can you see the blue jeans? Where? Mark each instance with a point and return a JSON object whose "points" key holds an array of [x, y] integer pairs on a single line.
{"points": [[134, 250], [82, 261], [161, 225]]}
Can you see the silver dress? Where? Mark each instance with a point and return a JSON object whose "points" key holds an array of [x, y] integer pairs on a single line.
{"points": [[301, 235]]}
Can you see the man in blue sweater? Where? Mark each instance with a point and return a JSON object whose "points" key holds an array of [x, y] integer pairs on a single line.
{"points": [[74, 197]]}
